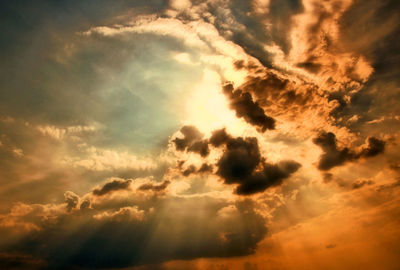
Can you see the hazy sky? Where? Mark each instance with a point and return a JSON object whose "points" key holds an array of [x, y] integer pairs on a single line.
{"points": [[215, 134]]}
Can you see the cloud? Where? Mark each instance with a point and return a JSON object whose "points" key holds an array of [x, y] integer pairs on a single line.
{"points": [[334, 156], [316, 45], [200, 147], [124, 214], [95, 93], [327, 177], [291, 99], [154, 231], [96, 159], [374, 147], [203, 169], [113, 185], [21, 261], [85, 204], [330, 246], [244, 106], [271, 175], [189, 170], [219, 137], [242, 163], [154, 187], [360, 183], [27, 218], [239, 160], [71, 199], [191, 141], [190, 135], [60, 133]]}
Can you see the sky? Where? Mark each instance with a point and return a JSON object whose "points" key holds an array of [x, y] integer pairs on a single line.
{"points": [[200, 134]]}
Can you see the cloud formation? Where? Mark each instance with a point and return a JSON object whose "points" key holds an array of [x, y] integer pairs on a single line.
{"points": [[244, 106], [115, 238], [71, 199], [154, 187], [111, 186], [334, 156], [191, 141], [242, 163], [92, 96]]}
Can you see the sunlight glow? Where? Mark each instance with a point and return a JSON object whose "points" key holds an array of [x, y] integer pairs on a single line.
{"points": [[207, 107]]}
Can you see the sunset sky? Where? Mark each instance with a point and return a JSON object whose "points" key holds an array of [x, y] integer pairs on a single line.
{"points": [[200, 134]]}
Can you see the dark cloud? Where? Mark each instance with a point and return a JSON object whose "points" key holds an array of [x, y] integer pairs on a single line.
{"points": [[71, 199], [244, 106], [205, 168], [374, 148], [327, 177], [172, 230], [117, 184], [271, 175], [278, 95], [190, 135], [239, 160], [310, 66], [242, 163], [21, 261], [153, 187], [330, 246], [200, 147], [389, 187], [361, 183], [239, 64], [395, 166], [333, 156], [191, 141], [180, 163], [219, 137], [189, 170], [85, 204]]}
